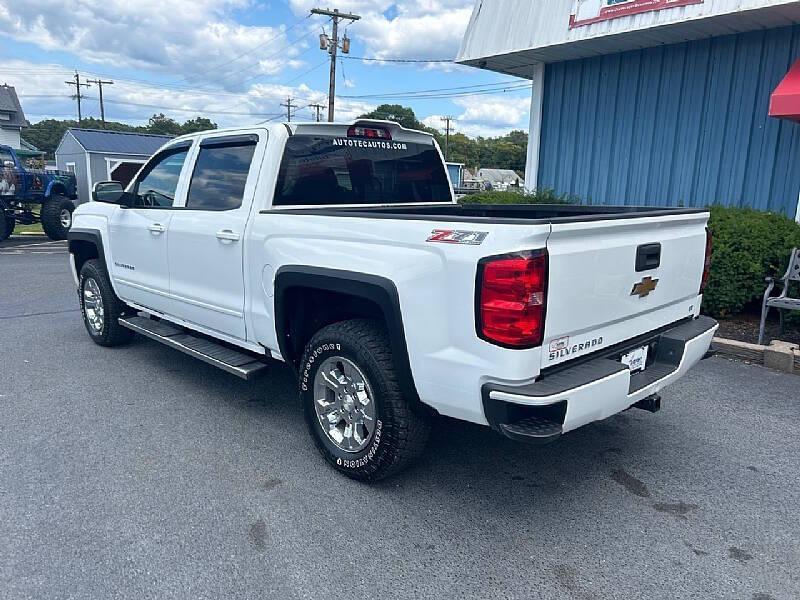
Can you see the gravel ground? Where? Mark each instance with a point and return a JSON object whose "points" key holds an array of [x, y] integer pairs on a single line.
{"points": [[140, 473]]}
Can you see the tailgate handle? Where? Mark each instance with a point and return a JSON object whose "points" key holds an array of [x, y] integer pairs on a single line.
{"points": [[648, 256]]}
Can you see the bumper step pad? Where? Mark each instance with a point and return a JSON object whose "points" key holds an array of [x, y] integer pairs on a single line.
{"points": [[533, 430], [233, 361]]}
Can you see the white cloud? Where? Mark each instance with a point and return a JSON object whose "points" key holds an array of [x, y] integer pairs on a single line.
{"points": [[416, 29], [44, 95], [488, 115], [195, 38], [495, 109]]}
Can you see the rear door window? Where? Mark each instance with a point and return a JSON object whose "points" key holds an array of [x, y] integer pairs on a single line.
{"points": [[220, 173], [322, 170]]}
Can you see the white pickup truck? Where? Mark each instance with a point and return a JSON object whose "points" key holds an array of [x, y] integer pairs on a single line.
{"points": [[340, 250]]}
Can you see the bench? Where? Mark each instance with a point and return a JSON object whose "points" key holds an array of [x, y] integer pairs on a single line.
{"points": [[782, 302]]}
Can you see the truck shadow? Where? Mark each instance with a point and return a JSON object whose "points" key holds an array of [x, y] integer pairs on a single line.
{"points": [[463, 463]]}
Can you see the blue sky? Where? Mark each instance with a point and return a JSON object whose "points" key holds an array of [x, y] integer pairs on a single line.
{"points": [[236, 61]]}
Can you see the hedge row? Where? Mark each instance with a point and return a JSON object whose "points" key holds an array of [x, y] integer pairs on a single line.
{"points": [[748, 246]]}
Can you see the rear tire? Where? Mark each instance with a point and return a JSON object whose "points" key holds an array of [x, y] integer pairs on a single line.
{"points": [[348, 378], [56, 216], [100, 307]]}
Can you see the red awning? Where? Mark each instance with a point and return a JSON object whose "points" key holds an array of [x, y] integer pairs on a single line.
{"points": [[785, 101]]}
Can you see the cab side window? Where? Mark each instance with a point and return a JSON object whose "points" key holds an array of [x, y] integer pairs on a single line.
{"points": [[157, 184], [220, 173]]}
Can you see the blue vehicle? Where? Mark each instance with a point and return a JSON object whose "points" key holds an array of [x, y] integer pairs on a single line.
{"points": [[29, 196]]}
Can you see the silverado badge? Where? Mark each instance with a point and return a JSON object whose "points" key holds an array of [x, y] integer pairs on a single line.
{"points": [[644, 287]]}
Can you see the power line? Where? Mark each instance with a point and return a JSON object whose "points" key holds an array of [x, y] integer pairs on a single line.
{"points": [[304, 73], [190, 110], [442, 92], [270, 57], [400, 60], [332, 46], [259, 46], [476, 86], [447, 121], [288, 105], [100, 83], [77, 83], [453, 95], [318, 108]]}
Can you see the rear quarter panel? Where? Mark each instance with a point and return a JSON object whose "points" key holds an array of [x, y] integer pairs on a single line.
{"points": [[435, 284]]}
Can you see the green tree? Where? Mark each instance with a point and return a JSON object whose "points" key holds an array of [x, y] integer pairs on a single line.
{"points": [[163, 125], [400, 114], [197, 124]]}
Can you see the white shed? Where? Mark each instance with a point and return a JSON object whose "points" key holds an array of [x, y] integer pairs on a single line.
{"points": [[100, 155]]}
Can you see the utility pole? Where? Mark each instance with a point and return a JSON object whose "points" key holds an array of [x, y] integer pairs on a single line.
{"points": [[288, 105], [332, 46], [78, 85], [100, 83], [447, 121], [317, 107]]}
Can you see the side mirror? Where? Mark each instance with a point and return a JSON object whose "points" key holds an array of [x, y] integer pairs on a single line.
{"points": [[9, 164], [110, 192]]}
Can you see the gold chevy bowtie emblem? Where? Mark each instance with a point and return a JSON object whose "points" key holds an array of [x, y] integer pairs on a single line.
{"points": [[644, 287]]}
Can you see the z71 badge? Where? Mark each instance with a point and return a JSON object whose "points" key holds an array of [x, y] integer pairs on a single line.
{"points": [[453, 236]]}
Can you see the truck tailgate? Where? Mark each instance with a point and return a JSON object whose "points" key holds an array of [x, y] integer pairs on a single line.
{"points": [[597, 294]]}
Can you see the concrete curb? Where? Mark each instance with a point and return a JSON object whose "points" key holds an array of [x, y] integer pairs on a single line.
{"points": [[781, 356]]}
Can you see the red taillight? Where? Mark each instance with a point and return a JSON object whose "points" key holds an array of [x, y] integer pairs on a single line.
{"points": [[707, 263], [512, 297], [370, 133]]}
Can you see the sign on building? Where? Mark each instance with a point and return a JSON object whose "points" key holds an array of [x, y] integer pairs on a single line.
{"points": [[587, 12]]}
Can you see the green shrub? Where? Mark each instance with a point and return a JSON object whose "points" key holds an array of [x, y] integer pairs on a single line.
{"points": [[748, 247], [520, 197]]}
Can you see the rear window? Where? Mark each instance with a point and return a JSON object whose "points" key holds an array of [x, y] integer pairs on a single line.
{"points": [[319, 170], [220, 176]]}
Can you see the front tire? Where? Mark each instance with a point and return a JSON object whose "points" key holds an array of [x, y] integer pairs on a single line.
{"points": [[56, 216], [356, 414], [7, 221], [100, 307]]}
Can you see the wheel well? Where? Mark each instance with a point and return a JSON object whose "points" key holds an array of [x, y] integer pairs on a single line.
{"points": [[310, 309], [57, 190], [82, 250]]}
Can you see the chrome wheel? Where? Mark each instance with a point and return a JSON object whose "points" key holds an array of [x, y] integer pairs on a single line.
{"points": [[93, 305], [343, 401], [66, 218]]}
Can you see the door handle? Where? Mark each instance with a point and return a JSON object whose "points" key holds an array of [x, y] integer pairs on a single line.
{"points": [[157, 228], [226, 235]]}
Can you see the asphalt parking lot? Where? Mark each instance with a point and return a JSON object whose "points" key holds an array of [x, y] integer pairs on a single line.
{"points": [[139, 472]]}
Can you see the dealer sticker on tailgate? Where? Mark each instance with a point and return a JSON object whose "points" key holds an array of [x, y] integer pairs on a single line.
{"points": [[636, 359]]}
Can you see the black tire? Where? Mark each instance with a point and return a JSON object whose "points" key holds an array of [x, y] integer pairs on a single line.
{"points": [[400, 431], [7, 222], [51, 216], [110, 333]]}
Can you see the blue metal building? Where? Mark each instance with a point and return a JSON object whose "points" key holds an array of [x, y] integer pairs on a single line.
{"points": [[664, 107]]}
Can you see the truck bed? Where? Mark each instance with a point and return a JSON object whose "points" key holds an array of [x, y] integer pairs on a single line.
{"points": [[495, 213]]}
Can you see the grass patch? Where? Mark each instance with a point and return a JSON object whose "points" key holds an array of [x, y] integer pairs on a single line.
{"points": [[35, 228]]}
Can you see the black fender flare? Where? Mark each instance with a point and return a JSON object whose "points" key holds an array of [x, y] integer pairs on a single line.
{"points": [[92, 236], [374, 288]]}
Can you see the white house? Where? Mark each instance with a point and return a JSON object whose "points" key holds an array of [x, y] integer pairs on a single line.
{"points": [[12, 119]]}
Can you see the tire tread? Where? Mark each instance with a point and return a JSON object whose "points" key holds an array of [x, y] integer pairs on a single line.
{"points": [[409, 431], [114, 334]]}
